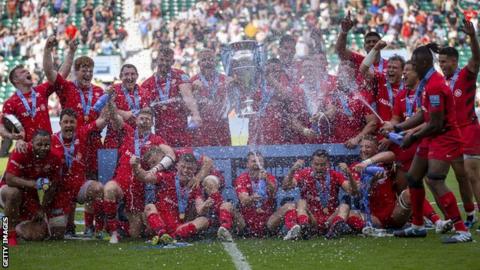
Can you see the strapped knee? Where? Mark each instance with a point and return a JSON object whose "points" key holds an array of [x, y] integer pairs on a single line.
{"points": [[436, 177], [402, 202], [412, 182]]}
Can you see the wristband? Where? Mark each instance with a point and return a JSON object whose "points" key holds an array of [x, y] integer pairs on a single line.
{"points": [[397, 129], [166, 162]]}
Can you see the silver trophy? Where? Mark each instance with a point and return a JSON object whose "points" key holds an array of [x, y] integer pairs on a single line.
{"points": [[244, 61]]}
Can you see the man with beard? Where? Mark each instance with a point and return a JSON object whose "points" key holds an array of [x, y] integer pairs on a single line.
{"points": [[35, 169], [210, 91], [29, 104], [127, 100], [462, 83], [441, 145], [350, 117], [370, 39], [180, 211], [169, 92], [312, 123], [124, 186], [71, 145], [79, 95], [319, 209], [256, 190]]}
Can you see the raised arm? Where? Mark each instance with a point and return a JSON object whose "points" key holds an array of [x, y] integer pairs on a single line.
{"points": [[68, 62], [341, 45], [474, 62], [48, 68], [370, 59], [289, 181]]}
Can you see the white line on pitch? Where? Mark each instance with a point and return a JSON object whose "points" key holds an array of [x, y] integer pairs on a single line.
{"points": [[237, 256]]}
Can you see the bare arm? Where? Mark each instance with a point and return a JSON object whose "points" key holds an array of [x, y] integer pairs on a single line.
{"points": [[288, 181], [50, 72], [68, 62], [474, 62], [415, 120], [142, 175], [19, 182], [341, 45], [370, 59]]}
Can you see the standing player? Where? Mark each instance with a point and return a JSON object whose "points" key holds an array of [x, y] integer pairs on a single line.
{"points": [[441, 145], [169, 92], [384, 86], [127, 101], [350, 117], [370, 39], [35, 169], [273, 120], [71, 145], [462, 83], [29, 104], [312, 123], [210, 91], [124, 186], [291, 67], [320, 186], [79, 95]]}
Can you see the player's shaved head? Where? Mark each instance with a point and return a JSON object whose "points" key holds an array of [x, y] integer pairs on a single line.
{"points": [[422, 58]]}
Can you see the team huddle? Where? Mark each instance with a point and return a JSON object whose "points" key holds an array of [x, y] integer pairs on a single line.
{"points": [[409, 122]]}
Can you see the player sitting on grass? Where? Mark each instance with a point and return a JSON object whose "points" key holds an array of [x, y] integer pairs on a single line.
{"points": [[319, 210], [36, 169]]}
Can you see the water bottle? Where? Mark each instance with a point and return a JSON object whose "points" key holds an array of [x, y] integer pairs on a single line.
{"points": [[372, 170], [396, 138], [101, 103]]}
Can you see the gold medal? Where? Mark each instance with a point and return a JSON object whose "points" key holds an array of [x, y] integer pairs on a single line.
{"points": [[182, 216], [325, 210], [85, 119]]}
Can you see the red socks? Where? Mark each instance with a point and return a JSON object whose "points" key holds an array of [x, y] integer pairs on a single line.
{"points": [[290, 218], [110, 209], [336, 219], [302, 219], [226, 219], [449, 203], [156, 223], [186, 231], [88, 217], [429, 212], [417, 197], [356, 223], [469, 207]]}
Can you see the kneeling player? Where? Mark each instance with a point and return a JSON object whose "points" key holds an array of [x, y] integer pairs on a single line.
{"points": [[26, 173], [380, 206], [71, 145], [320, 186], [180, 211]]}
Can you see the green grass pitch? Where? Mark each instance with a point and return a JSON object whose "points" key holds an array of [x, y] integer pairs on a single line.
{"points": [[346, 253]]}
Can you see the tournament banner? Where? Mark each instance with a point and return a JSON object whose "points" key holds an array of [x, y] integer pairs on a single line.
{"points": [[231, 161]]}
